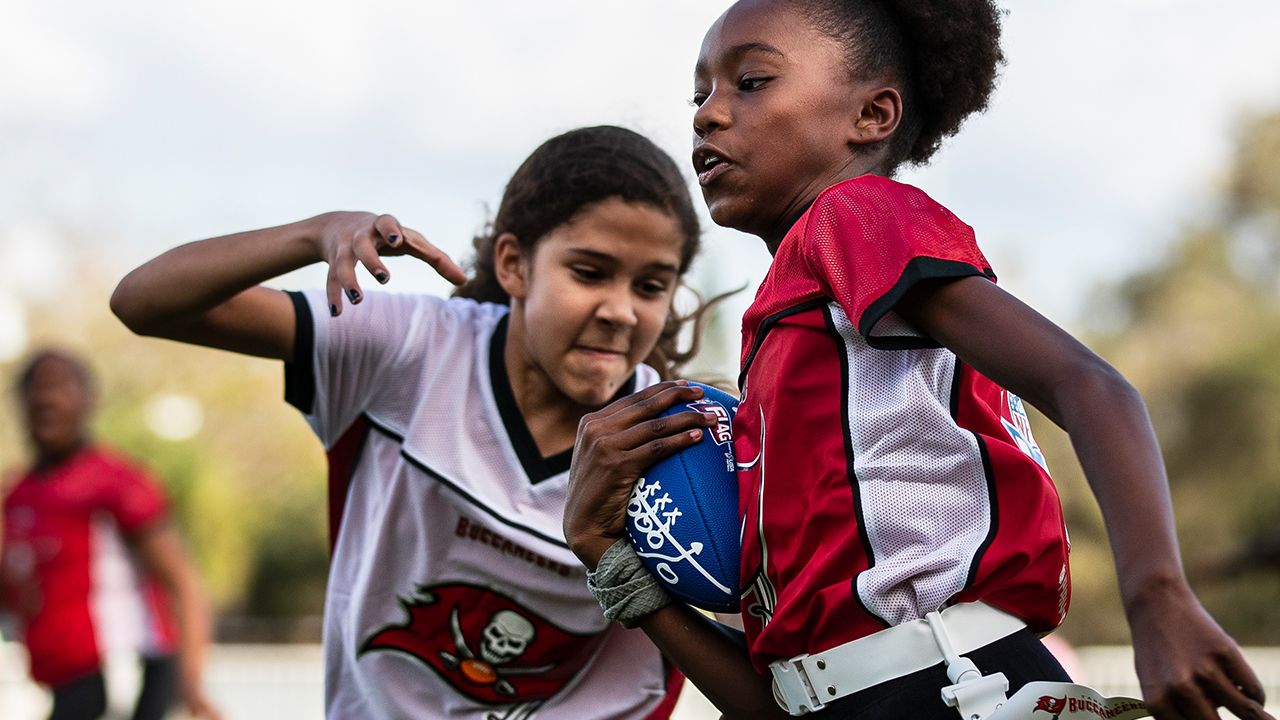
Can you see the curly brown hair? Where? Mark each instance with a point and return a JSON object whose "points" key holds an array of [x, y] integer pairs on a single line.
{"points": [[572, 171], [944, 54]]}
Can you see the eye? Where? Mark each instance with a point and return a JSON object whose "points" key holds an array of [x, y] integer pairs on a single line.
{"points": [[751, 83], [651, 288], [698, 98], [587, 273]]}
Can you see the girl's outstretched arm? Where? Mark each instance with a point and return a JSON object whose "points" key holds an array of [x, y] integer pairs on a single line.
{"points": [[615, 446], [1186, 664], [207, 293]]}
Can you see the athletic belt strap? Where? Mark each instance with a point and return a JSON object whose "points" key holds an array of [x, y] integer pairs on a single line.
{"points": [[806, 683]]}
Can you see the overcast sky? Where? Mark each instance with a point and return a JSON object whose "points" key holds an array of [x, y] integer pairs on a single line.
{"points": [[134, 125]]}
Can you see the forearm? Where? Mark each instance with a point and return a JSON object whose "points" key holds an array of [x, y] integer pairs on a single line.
{"points": [[180, 286], [194, 634], [1118, 451], [712, 661]]}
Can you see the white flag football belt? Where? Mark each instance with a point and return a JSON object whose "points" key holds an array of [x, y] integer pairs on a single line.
{"points": [[807, 683]]}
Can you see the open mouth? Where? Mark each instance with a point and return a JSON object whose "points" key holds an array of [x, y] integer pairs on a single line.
{"points": [[709, 164]]}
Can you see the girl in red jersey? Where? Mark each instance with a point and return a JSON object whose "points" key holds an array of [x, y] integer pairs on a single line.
{"points": [[897, 512], [449, 423], [71, 523]]}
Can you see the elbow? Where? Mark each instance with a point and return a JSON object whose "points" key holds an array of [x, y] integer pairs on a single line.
{"points": [[130, 308], [1095, 384], [1101, 379]]}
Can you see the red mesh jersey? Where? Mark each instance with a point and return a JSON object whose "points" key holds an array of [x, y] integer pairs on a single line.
{"points": [[880, 477], [67, 572]]}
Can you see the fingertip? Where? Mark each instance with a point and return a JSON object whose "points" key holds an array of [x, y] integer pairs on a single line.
{"points": [[382, 276], [333, 310]]}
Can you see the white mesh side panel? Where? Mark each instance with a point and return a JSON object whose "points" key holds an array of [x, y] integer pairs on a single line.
{"points": [[892, 325], [921, 482], [115, 601]]}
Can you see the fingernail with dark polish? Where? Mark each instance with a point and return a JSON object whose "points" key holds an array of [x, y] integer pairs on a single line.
{"points": [[381, 277], [352, 295], [333, 311], [393, 239]]}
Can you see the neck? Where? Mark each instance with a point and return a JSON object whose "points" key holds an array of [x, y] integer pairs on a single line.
{"points": [[859, 164], [51, 457]]}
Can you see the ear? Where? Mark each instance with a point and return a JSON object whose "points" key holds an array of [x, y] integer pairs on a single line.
{"points": [[510, 265], [879, 113]]}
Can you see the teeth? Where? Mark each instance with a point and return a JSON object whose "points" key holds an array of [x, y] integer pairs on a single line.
{"points": [[710, 161]]}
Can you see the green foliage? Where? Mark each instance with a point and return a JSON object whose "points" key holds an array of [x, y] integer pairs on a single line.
{"points": [[1199, 335]]}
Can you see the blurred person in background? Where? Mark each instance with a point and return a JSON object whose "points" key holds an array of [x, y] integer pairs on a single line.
{"points": [[91, 563]]}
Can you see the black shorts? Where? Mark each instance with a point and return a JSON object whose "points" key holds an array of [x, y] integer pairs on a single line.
{"points": [[1020, 656], [86, 698]]}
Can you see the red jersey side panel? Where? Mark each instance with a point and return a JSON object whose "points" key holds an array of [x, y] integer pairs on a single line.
{"points": [[880, 478], [66, 571]]}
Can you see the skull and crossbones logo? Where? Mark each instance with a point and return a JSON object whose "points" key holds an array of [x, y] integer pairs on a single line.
{"points": [[506, 636]]}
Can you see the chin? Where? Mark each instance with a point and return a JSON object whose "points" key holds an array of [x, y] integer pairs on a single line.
{"points": [[595, 398], [593, 395], [730, 212]]}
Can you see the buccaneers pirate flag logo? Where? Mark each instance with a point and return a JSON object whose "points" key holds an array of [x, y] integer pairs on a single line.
{"points": [[1050, 704], [485, 645]]}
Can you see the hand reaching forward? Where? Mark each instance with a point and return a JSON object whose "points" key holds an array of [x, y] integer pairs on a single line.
{"points": [[615, 446], [349, 237], [1187, 666]]}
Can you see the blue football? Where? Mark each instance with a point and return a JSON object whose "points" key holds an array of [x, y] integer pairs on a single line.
{"points": [[683, 513]]}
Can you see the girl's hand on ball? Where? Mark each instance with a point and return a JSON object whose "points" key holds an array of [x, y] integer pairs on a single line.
{"points": [[615, 446], [348, 237]]}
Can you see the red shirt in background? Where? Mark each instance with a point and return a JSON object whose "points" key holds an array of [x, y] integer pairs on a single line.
{"points": [[67, 573]]}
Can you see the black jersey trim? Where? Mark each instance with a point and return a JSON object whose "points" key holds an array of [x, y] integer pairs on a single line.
{"points": [[917, 270], [847, 429], [993, 511], [536, 467], [957, 376], [299, 374], [988, 472], [456, 488], [767, 325]]}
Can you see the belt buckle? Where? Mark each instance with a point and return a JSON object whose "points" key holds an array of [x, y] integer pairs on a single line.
{"points": [[792, 689]]}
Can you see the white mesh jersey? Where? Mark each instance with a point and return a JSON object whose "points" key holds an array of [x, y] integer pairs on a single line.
{"points": [[452, 593]]}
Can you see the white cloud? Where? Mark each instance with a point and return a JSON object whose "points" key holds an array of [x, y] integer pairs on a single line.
{"points": [[45, 72]]}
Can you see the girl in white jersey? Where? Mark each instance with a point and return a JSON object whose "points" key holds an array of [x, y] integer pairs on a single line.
{"points": [[449, 423]]}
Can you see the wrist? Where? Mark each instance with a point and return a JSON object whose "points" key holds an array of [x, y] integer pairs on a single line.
{"points": [[310, 233], [590, 550], [1153, 592]]}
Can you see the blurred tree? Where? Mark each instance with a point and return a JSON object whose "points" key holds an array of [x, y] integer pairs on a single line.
{"points": [[1199, 335]]}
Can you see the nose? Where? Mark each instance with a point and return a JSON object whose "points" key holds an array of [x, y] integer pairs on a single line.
{"points": [[711, 115], [617, 307]]}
